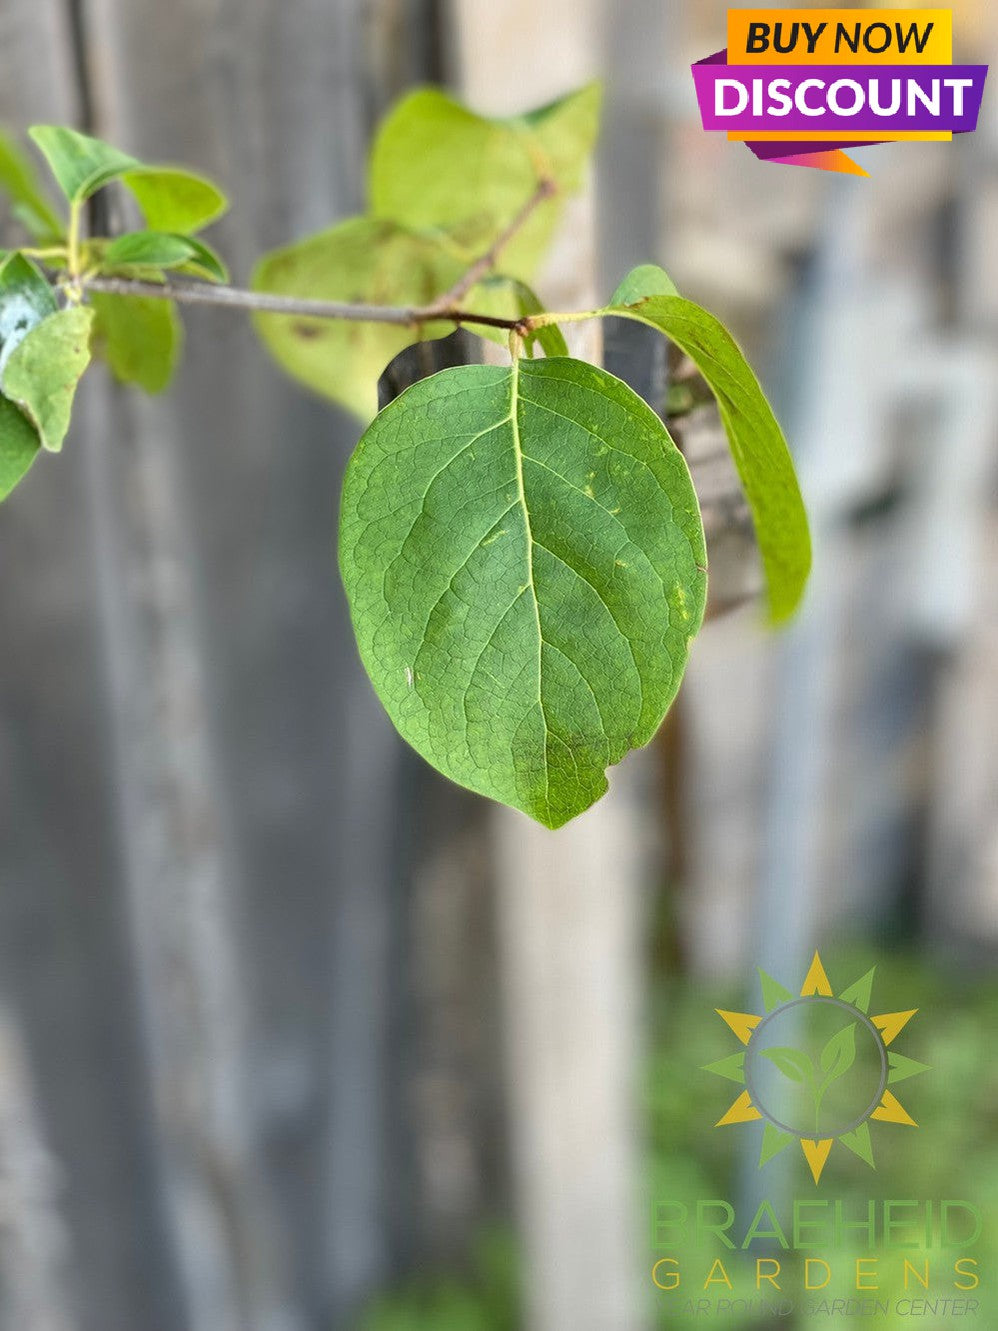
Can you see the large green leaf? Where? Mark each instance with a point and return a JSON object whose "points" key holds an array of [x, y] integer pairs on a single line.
{"points": [[358, 261], [524, 559], [757, 444], [42, 372], [25, 300], [80, 163], [172, 199], [139, 337], [19, 446], [437, 165], [20, 180]]}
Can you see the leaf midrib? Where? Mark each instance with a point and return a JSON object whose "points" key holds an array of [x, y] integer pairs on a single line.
{"points": [[514, 417]]}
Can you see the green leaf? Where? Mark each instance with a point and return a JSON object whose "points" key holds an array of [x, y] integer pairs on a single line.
{"points": [[19, 178], [19, 446], [509, 298], [205, 262], [153, 249], [838, 1055], [139, 337], [172, 199], [42, 372], [757, 444], [81, 164], [363, 261], [524, 559], [163, 250], [437, 165], [25, 300], [793, 1063], [645, 280]]}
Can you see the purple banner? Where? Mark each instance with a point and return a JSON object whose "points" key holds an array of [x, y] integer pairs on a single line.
{"points": [[840, 101]]}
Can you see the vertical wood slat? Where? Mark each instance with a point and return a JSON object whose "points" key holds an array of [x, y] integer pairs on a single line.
{"points": [[298, 762], [257, 779], [63, 967]]}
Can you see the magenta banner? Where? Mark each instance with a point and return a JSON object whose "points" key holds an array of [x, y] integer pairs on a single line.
{"points": [[829, 100]]}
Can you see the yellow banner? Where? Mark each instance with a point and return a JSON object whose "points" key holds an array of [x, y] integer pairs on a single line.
{"points": [[840, 36]]}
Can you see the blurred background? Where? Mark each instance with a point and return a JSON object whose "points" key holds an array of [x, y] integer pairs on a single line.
{"points": [[294, 1036]]}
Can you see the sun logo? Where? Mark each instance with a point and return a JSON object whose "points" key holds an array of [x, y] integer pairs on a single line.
{"points": [[817, 1068]]}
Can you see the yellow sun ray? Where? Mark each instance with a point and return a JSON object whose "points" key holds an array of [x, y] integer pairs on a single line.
{"points": [[891, 1110], [816, 981], [742, 1023], [816, 1154], [742, 1111], [891, 1024]]}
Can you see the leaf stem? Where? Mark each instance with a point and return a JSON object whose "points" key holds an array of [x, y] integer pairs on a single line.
{"points": [[73, 239]]}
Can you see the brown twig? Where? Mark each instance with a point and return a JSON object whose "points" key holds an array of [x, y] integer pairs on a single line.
{"points": [[265, 302], [446, 307]]}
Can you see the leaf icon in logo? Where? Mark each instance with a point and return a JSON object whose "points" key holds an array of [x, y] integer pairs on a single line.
{"points": [[793, 1063], [838, 1055]]}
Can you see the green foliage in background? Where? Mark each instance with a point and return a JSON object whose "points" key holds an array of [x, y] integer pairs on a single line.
{"points": [[521, 547]]}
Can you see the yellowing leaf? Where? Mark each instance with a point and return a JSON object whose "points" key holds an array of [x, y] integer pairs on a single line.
{"points": [[359, 261], [435, 165]]}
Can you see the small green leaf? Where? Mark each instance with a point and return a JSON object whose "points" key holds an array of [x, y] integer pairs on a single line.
{"points": [[793, 1063], [25, 300], [205, 262], [509, 298], [42, 372], [437, 165], [19, 446], [838, 1055], [81, 164], [19, 178], [163, 250], [757, 444], [523, 555], [139, 337], [363, 261], [172, 199], [153, 249], [645, 280]]}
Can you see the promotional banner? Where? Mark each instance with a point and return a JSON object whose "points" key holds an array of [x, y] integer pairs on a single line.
{"points": [[799, 86]]}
